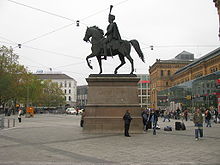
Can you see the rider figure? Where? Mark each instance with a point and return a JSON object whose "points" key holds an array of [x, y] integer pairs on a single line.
{"points": [[112, 32]]}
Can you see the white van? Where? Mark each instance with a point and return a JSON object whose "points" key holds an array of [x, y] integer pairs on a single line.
{"points": [[71, 111]]}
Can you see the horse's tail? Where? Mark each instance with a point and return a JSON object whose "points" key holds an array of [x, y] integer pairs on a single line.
{"points": [[137, 48]]}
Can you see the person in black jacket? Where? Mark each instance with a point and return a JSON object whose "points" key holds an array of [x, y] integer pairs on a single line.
{"points": [[208, 118], [154, 120], [127, 120]]}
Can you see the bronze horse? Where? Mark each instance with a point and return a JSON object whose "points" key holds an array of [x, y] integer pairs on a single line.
{"points": [[122, 48]]}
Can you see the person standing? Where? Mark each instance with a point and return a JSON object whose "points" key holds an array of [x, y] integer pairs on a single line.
{"points": [[19, 114], [198, 121], [154, 120], [216, 115], [145, 116], [208, 117], [185, 113], [82, 118], [178, 113], [127, 120], [166, 116]]}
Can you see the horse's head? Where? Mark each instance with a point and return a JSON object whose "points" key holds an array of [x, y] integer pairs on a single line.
{"points": [[88, 34], [93, 31]]}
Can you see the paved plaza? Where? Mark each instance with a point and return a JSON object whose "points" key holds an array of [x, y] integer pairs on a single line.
{"points": [[59, 140]]}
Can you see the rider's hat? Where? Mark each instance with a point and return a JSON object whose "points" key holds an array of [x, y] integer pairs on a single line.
{"points": [[110, 16]]}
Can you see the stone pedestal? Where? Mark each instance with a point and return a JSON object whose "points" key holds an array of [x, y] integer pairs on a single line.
{"points": [[109, 96]]}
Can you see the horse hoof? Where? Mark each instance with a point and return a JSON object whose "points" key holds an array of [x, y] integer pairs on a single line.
{"points": [[115, 72]]}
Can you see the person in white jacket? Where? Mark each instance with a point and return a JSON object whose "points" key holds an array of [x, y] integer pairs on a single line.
{"points": [[19, 115]]}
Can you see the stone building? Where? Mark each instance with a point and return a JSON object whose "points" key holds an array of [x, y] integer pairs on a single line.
{"points": [[161, 72], [82, 95], [196, 84], [203, 66], [66, 83]]}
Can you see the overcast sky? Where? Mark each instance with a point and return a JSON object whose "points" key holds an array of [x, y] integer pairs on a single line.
{"points": [[171, 26]]}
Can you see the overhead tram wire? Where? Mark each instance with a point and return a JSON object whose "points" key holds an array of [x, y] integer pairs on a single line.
{"points": [[35, 62], [44, 11], [8, 40], [43, 50], [60, 16], [48, 33], [52, 52], [172, 46]]}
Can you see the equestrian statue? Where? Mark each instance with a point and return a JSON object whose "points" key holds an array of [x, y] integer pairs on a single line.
{"points": [[110, 44]]}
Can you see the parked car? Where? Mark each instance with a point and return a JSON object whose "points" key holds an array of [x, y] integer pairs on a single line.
{"points": [[71, 111]]}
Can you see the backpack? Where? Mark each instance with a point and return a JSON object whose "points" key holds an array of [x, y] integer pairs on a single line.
{"points": [[168, 128]]}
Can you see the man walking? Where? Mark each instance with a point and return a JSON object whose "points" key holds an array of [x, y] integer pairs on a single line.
{"points": [[198, 121], [127, 120]]}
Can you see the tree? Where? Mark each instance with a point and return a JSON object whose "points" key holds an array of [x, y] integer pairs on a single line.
{"points": [[52, 95], [17, 85], [8, 66]]}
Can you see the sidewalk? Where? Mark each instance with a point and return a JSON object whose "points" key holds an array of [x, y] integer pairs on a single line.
{"points": [[58, 139]]}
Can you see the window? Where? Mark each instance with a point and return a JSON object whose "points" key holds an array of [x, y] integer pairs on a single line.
{"points": [[61, 84], [65, 91], [167, 84], [69, 98], [65, 84], [144, 92], [161, 73], [168, 72], [139, 92], [69, 84], [69, 91]]}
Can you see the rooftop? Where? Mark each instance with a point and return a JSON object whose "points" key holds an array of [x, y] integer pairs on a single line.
{"points": [[206, 57], [53, 76]]}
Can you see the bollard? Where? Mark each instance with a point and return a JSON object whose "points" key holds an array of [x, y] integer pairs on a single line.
{"points": [[8, 123], [13, 122], [1, 123]]}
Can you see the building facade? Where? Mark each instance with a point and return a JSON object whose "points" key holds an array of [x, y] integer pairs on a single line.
{"points": [[202, 92], [205, 65], [196, 84], [82, 96], [144, 90], [161, 72], [65, 82]]}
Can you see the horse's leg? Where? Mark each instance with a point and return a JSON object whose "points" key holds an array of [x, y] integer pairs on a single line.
{"points": [[126, 52], [87, 60], [100, 63], [122, 58], [131, 61]]}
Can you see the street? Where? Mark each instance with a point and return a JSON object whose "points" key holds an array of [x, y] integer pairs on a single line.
{"points": [[58, 139]]}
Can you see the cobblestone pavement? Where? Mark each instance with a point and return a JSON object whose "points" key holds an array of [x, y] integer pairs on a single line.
{"points": [[58, 140]]}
